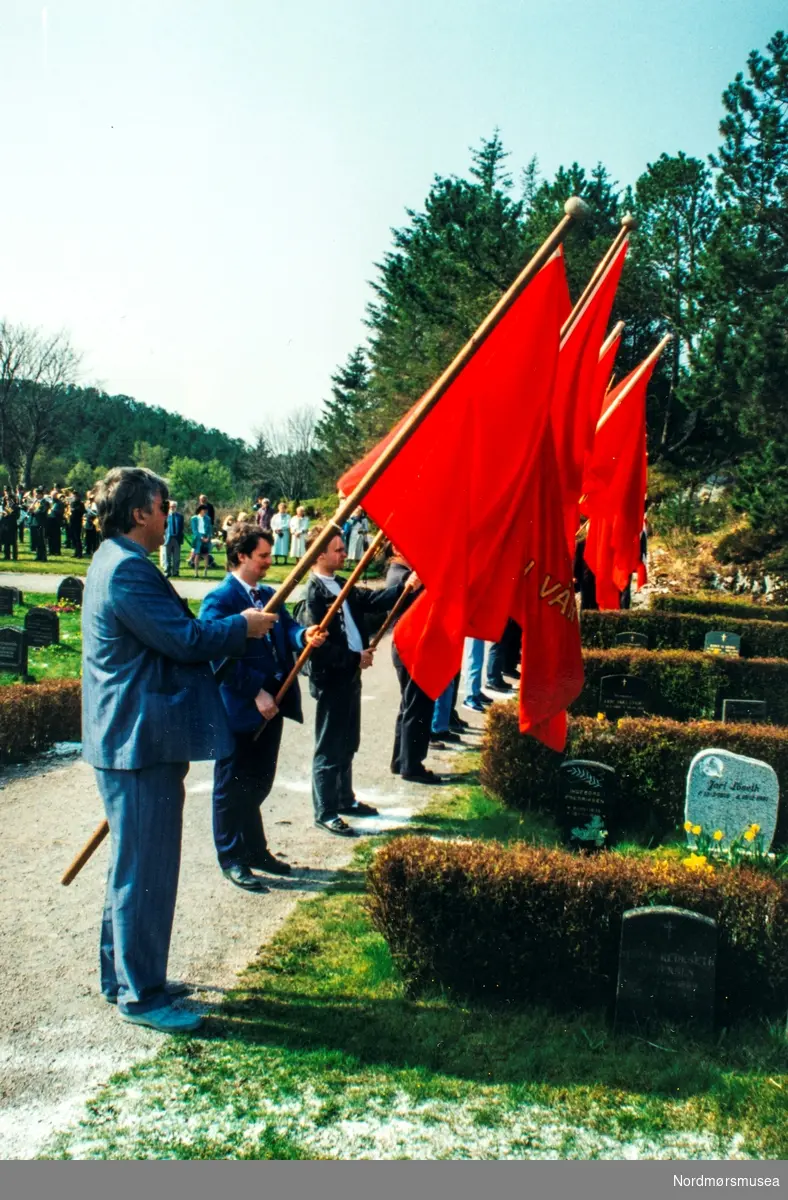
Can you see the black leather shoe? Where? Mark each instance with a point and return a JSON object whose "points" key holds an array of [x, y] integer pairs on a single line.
{"points": [[242, 877], [456, 724], [358, 809], [424, 776], [336, 826], [271, 864], [445, 736], [501, 687]]}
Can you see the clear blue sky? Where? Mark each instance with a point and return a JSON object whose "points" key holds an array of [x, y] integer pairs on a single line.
{"points": [[197, 191]]}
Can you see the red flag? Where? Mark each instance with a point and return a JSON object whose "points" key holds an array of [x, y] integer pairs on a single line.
{"points": [[579, 389], [451, 496], [615, 487]]}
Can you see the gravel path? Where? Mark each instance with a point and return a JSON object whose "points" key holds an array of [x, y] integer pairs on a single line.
{"points": [[59, 1040]]}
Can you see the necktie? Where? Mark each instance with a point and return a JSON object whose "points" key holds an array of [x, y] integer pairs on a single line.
{"points": [[257, 597]]}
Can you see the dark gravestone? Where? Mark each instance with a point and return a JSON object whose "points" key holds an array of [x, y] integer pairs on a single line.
{"points": [[624, 696], [42, 627], [639, 640], [18, 597], [586, 803], [666, 968], [7, 601], [71, 589], [748, 712], [722, 643], [13, 651]]}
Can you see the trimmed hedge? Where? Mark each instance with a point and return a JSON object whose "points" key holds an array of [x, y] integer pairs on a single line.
{"points": [[681, 631], [34, 716], [725, 606], [529, 923], [688, 685], [651, 757]]}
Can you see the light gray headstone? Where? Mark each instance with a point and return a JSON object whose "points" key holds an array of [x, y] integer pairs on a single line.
{"points": [[731, 792]]}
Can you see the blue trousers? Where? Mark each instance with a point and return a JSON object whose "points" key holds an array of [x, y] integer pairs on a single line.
{"points": [[441, 714], [145, 813], [474, 662]]}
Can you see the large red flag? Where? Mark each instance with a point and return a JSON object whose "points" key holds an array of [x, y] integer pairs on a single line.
{"points": [[579, 389], [449, 499], [615, 490]]}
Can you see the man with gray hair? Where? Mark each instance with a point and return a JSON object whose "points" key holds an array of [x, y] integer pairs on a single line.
{"points": [[150, 705]]}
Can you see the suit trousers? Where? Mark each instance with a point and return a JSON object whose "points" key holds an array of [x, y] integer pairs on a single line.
{"points": [[241, 783], [75, 537], [172, 552], [145, 813], [412, 731], [337, 738]]}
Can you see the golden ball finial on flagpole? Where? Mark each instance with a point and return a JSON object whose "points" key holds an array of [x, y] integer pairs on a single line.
{"points": [[629, 222], [576, 208]]}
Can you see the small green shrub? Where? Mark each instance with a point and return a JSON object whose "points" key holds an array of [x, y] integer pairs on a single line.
{"points": [[737, 608], [688, 685], [743, 546], [35, 716], [651, 757], [680, 631], [543, 925]]}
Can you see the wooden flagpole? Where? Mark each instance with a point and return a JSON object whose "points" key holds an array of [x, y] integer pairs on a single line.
{"points": [[306, 653], [628, 223], [575, 209], [636, 377], [615, 332]]}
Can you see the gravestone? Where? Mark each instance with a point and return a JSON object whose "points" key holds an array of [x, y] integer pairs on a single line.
{"points": [[666, 968], [730, 792], [748, 712], [586, 803], [624, 696], [7, 601], [722, 643], [13, 651], [42, 627], [71, 589], [639, 640]]}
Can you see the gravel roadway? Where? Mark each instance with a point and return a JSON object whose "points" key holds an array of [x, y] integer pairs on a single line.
{"points": [[59, 1040]]}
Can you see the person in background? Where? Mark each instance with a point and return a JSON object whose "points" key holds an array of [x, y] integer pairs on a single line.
{"points": [[37, 516], [202, 532], [280, 527], [357, 530], [76, 515], [9, 525], [414, 718], [54, 523], [299, 527], [202, 499], [174, 535], [92, 536], [264, 514]]}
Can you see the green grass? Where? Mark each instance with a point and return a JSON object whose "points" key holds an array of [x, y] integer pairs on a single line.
{"points": [[319, 1051]]}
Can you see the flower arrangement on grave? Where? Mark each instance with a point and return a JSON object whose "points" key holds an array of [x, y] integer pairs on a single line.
{"points": [[62, 606]]}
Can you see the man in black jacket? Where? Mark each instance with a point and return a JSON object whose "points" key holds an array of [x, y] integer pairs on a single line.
{"points": [[335, 682]]}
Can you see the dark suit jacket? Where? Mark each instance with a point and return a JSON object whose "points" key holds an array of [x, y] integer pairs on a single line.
{"points": [[175, 527], [148, 693], [334, 664], [264, 663]]}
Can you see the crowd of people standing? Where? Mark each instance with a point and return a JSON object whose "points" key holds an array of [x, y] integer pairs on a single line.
{"points": [[52, 519]]}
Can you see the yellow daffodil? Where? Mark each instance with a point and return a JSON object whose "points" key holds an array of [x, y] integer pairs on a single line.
{"points": [[688, 826], [696, 830], [718, 835], [755, 828], [600, 716], [749, 836], [697, 862]]}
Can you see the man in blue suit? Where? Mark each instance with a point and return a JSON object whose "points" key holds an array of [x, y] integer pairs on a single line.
{"points": [[244, 777], [173, 540], [150, 705]]}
